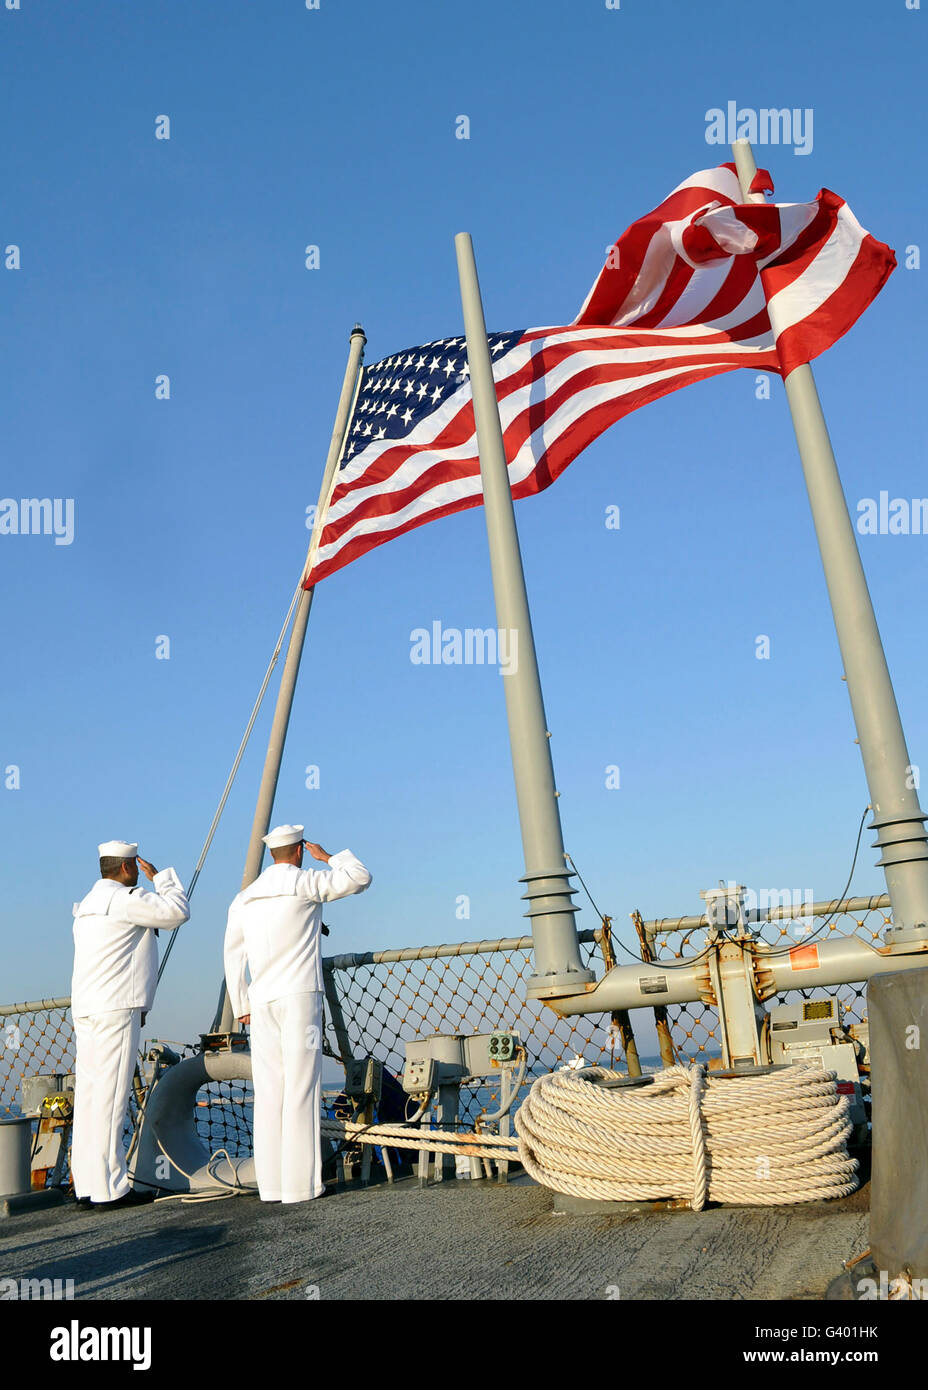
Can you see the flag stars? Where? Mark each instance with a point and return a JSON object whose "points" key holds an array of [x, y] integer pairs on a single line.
{"points": [[398, 389]]}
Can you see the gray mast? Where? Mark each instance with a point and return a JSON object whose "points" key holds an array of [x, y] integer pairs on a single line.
{"points": [[897, 815], [224, 1021], [558, 966]]}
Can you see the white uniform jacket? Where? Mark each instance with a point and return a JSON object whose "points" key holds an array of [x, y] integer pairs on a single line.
{"points": [[115, 949], [273, 927]]}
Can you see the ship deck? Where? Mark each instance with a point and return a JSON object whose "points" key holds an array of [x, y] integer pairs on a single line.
{"points": [[456, 1240]]}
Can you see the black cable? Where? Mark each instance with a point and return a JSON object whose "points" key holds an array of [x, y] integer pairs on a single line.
{"points": [[785, 950], [662, 964]]}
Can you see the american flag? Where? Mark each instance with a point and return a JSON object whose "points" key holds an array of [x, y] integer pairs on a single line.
{"points": [[683, 296]]}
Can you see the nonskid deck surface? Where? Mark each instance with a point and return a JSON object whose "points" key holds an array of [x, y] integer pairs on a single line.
{"points": [[454, 1240]]}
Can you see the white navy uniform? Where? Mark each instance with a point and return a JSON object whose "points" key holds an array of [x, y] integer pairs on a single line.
{"points": [[273, 927], [115, 973]]}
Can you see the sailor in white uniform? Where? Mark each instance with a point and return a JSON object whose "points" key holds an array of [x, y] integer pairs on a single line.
{"points": [[113, 986], [274, 927]]}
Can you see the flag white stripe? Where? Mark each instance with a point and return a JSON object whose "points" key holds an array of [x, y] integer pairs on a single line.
{"points": [[512, 405], [526, 460]]}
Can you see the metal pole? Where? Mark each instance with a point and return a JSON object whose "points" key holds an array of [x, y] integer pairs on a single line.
{"points": [[558, 967], [897, 815], [275, 746]]}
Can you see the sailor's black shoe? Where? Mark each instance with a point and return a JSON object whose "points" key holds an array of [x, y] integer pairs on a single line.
{"points": [[131, 1199]]}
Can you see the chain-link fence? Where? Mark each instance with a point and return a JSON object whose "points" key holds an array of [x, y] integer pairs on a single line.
{"points": [[35, 1038], [377, 1001]]}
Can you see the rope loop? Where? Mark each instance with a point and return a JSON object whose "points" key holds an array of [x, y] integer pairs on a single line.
{"points": [[756, 1140]]}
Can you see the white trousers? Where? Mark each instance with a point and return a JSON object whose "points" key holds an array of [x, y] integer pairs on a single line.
{"points": [[286, 1070], [106, 1051]]}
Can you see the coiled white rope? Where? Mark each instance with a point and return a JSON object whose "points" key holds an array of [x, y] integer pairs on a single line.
{"points": [[760, 1140]]}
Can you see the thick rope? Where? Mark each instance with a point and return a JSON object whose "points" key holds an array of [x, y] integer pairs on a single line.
{"points": [[766, 1140], [435, 1140]]}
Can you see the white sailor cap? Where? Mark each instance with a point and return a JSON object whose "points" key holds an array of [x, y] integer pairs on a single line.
{"points": [[117, 849], [283, 835]]}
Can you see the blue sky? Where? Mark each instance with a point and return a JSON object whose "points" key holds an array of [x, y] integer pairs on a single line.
{"points": [[336, 127]]}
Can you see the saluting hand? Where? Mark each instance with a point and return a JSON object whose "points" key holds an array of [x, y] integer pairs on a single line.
{"points": [[316, 851], [148, 870]]}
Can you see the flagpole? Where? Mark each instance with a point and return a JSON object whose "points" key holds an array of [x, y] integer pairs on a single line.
{"points": [[224, 1022], [559, 969], [897, 815]]}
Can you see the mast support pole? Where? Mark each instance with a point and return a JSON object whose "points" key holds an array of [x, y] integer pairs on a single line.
{"points": [[897, 815], [559, 969]]}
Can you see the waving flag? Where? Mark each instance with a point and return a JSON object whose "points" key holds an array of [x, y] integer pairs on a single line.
{"points": [[683, 296]]}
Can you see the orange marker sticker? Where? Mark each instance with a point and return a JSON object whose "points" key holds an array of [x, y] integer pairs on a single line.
{"points": [[803, 958]]}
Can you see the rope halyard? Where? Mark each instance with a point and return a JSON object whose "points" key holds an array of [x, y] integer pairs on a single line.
{"points": [[754, 1140]]}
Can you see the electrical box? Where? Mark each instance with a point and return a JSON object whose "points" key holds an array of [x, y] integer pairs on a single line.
{"points": [[456, 1056], [810, 1032], [364, 1077], [34, 1090], [503, 1047], [725, 907], [420, 1074], [808, 1022], [485, 1053]]}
